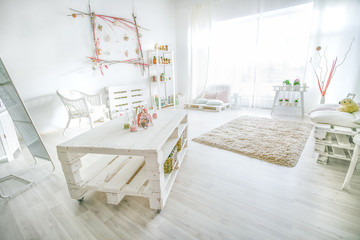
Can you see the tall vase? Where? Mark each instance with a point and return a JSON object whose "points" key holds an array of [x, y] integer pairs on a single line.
{"points": [[322, 100]]}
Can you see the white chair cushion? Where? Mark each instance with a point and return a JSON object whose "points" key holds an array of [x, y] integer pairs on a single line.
{"points": [[200, 100], [334, 117], [322, 107], [214, 102]]}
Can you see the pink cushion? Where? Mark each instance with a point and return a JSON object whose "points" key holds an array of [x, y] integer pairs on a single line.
{"points": [[210, 95], [223, 96]]}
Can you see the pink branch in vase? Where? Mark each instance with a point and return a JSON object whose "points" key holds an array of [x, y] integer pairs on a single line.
{"points": [[323, 86], [330, 76]]}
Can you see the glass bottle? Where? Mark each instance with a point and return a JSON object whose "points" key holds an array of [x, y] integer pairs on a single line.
{"points": [[126, 120]]}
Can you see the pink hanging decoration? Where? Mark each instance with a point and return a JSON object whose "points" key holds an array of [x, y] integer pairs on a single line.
{"points": [[111, 21]]}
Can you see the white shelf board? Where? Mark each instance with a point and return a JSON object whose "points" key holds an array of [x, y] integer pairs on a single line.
{"points": [[171, 142], [115, 174]]}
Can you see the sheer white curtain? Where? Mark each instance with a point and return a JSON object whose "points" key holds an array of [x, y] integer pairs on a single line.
{"points": [[199, 50], [256, 52]]}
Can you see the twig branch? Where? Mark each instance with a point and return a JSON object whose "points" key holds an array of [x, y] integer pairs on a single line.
{"points": [[319, 65], [326, 63], [344, 56]]}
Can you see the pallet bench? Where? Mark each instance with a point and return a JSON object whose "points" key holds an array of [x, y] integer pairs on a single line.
{"points": [[125, 97], [333, 141], [218, 108]]}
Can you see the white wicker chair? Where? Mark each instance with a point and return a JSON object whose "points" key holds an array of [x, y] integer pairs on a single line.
{"points": [[81, 105]]}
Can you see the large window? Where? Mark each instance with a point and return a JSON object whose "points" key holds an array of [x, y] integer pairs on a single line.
{"points": [[256, 52]]}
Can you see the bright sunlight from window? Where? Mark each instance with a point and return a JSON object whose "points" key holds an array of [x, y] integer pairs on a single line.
{"points": [[257, 52]]}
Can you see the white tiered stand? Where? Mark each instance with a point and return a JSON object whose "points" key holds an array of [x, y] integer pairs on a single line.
{"points": [[132, 162], [290, 89]]}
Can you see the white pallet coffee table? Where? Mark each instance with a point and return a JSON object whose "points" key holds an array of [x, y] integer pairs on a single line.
{"points": [[132, 162]]}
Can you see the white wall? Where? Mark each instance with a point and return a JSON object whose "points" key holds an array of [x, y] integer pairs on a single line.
{"points": [[347, 78], [44, 49]]}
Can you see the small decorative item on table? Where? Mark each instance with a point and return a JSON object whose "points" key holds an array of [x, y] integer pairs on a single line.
{"points": [[281, 101], [170, 161], [133, 127], [126, 121], [154, 115], [144, 119]]}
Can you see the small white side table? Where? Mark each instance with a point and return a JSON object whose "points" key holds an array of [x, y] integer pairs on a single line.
{"points": [[353, 162], [237, 101]]}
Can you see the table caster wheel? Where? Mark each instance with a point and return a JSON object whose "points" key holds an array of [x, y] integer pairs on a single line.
{"points": [[81, 199]]}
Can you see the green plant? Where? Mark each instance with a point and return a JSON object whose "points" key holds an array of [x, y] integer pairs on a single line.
{"points": [[280, 100], [286, 100], [297, 100], [296, 82], [287, 82]]}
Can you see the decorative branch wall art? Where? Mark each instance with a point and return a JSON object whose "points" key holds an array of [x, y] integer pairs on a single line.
{"points": [[125, 47], [321, 64]]}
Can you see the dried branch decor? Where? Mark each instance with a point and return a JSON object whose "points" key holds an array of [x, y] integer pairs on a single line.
{"points": [[321, 65], [112, 22]]}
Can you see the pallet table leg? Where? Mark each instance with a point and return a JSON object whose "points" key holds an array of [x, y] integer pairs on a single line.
{"points": [[155, 203], [76, 192], [155, 174], [114, 198], [71, 164]]}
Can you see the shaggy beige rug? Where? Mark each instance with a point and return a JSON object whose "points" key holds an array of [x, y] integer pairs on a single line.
{"points": [[275, 141]]}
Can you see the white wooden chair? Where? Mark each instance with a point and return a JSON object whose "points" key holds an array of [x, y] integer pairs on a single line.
{"points": [[81, 105]]}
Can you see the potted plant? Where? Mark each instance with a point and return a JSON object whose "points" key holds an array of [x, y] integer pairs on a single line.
{"points": [[296, 85], [281, 101], [286, 101], [287, 84], [296, 102]]}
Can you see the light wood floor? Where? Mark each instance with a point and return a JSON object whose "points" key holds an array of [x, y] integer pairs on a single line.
{"points": [[217, 195]]}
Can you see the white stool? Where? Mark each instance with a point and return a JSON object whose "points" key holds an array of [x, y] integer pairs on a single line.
{"points": [[237, 101], [353, 162]]}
